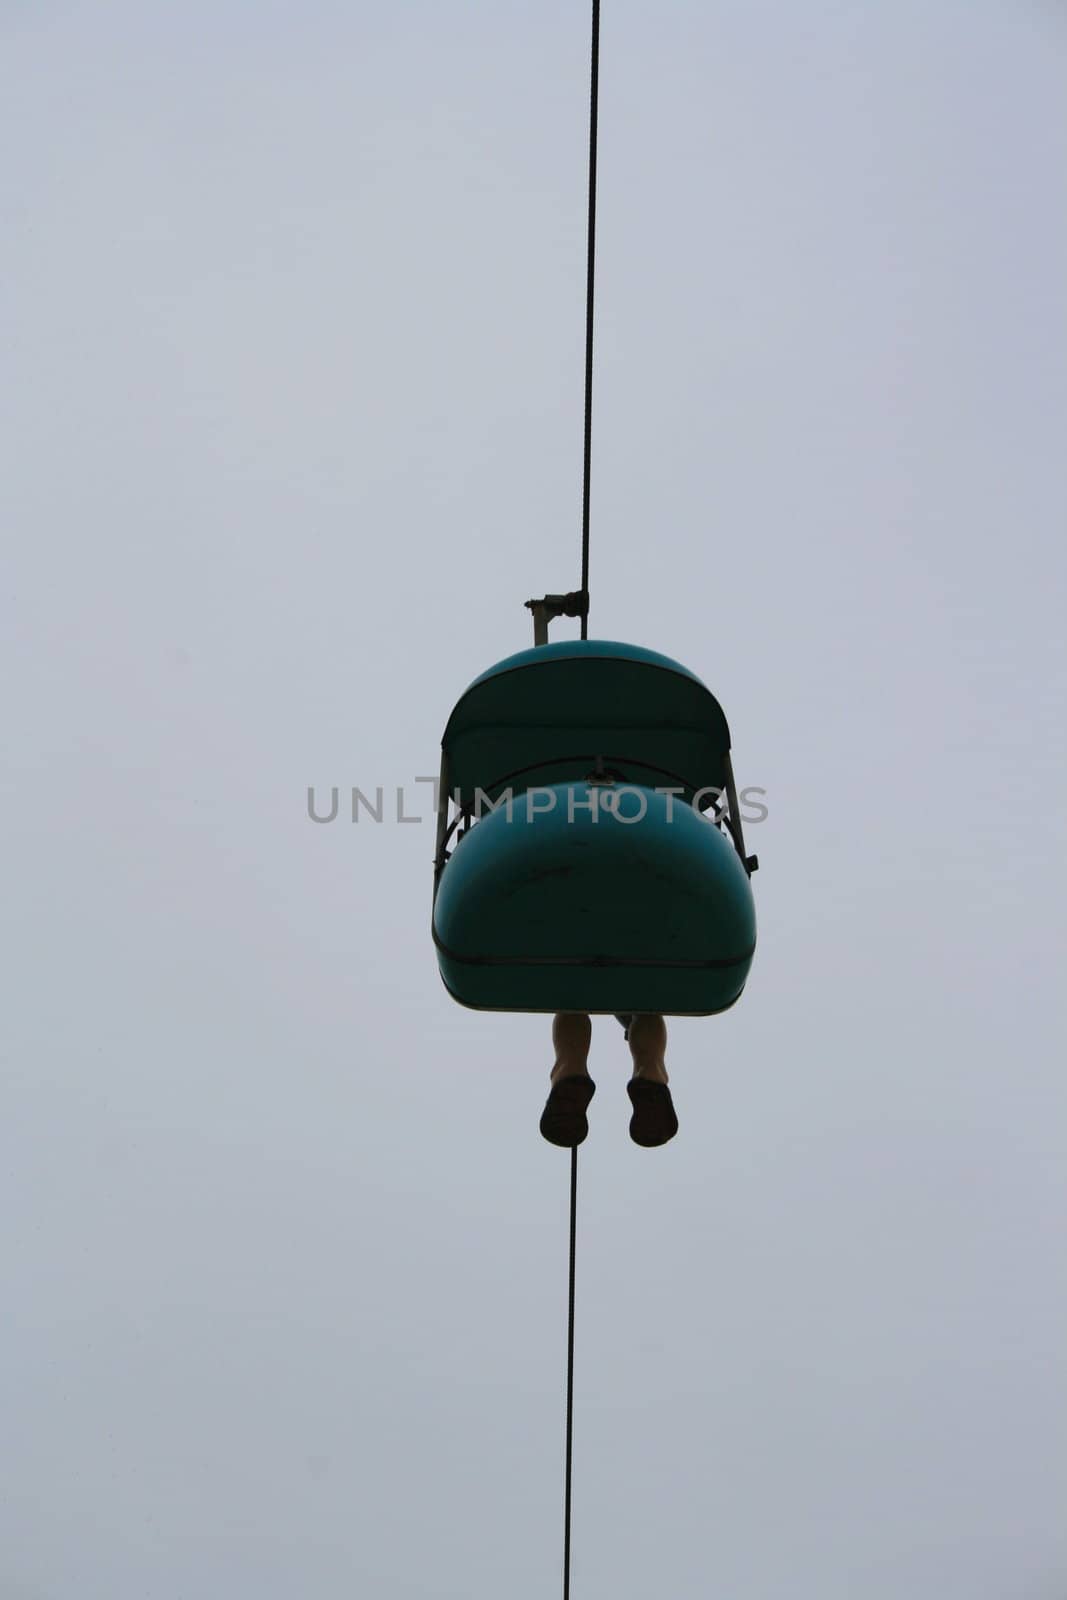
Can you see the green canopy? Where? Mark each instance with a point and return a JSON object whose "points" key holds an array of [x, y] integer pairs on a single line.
{"points": [[547, 715]]}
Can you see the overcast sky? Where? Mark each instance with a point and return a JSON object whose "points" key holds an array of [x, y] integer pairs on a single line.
{"points": [[291, 386]]}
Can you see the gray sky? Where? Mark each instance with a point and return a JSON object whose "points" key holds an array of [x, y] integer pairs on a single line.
{"points": [[292, 339]]}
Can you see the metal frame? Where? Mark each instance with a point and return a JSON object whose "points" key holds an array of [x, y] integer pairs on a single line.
{"points": [[550, 606]]}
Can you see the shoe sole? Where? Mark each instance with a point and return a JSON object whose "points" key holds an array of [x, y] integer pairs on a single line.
{"points": [[654, 1121], [563, 1121]]}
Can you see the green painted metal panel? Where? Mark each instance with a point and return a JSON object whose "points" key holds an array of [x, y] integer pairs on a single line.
{"points": [[543, 716], [561, 904]]}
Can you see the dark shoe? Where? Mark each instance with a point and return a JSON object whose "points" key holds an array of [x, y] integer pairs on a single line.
{"points": [[563, 1119], [653, 1121]]}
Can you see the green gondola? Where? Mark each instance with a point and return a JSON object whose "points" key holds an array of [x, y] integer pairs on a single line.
{"points": [[597, 859]]}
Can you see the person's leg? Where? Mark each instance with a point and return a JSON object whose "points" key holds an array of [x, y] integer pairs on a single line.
{"points": [[653, 1121], [647, 1036], [572, 1034], [563, 1121]]}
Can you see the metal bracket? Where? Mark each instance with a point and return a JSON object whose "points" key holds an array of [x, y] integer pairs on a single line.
{"points": [[550, 606]]}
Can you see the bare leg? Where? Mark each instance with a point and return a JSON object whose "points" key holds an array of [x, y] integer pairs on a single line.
{"points": [[563, 1120], [648, 1046], [654, 1121], [572, 1034]]}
